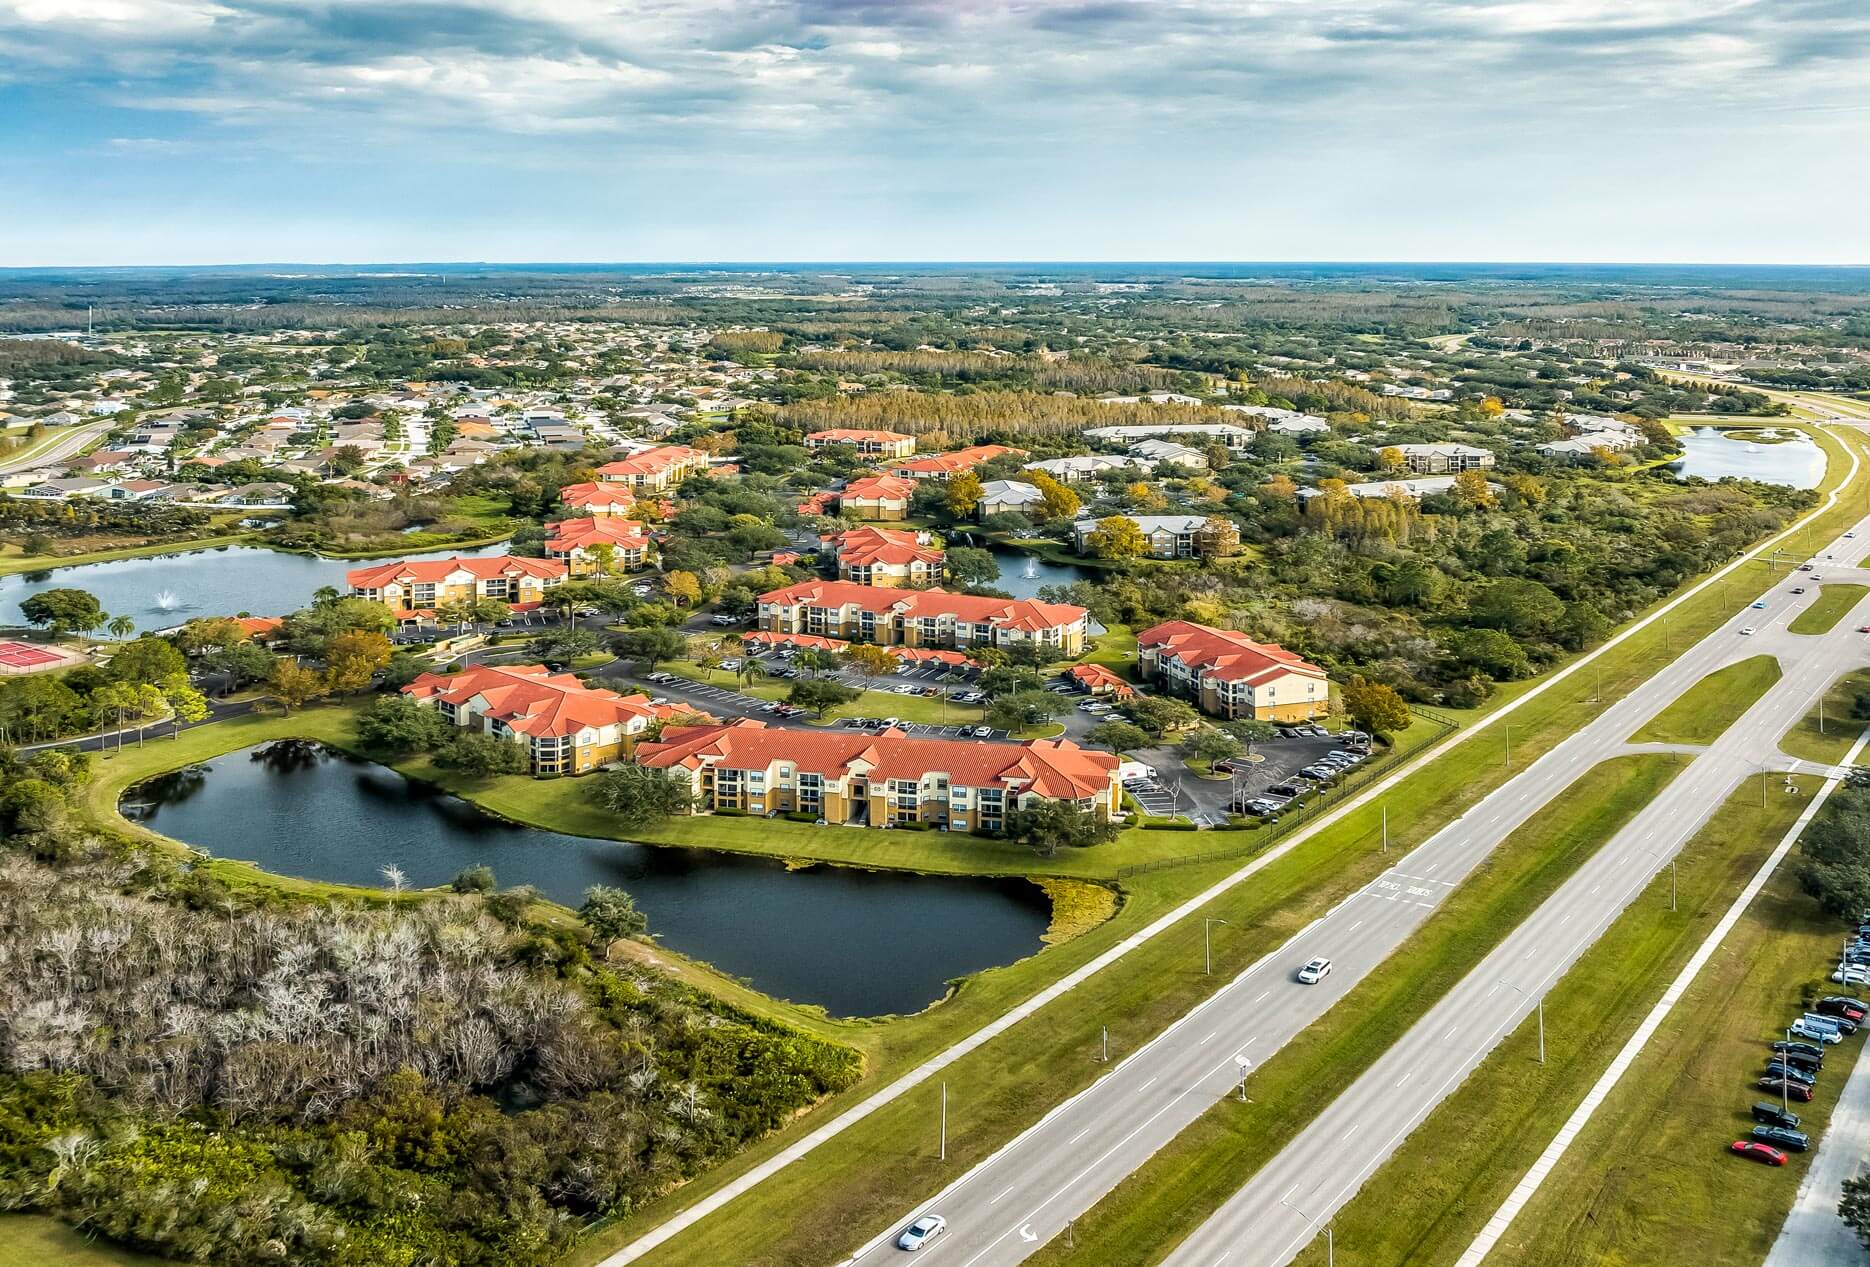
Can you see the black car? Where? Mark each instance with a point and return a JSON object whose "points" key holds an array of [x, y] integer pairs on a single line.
{"points": [[1841, 1005], [1772, 1115], [1781, 1137], [1798, 1060], [1780, 1069], [1810, 1050]]}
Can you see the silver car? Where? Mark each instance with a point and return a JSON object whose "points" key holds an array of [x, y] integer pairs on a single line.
{"points": [[922, 1231]]}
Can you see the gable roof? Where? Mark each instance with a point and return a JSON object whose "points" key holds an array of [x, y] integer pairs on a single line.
{"points": [[532, 700], [1224, 654], [885, 488], [866, 547], [654, 461], [959, 460], [581, 534], [1024, 614], [434, 571]]}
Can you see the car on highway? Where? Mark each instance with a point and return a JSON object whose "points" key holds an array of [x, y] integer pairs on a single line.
{"points": [[929, 1226], [1772, 1115], [1800, 589], [1791, 1090], [1760, 605], [1746, 630], [1757, 1152], [1314, 971], [1782, 1137]]}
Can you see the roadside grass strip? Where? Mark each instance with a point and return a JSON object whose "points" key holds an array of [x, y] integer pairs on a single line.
{"points": [[1840, 729], [37, 1240], [1175, 1191], [1832, 603], [1648, 1179], [1430, 1199], [1703, 712]]}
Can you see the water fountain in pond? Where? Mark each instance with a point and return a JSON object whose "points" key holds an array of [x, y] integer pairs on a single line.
{"points": [[1032, 567], [166, 601]]}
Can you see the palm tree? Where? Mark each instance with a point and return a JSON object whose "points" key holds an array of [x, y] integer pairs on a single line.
{"points": [[750, 669], [120, 627]]}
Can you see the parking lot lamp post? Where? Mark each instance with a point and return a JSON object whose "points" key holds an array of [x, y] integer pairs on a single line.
{"points": [[1785, 1105], [1207, 940], [1331, 1255]]}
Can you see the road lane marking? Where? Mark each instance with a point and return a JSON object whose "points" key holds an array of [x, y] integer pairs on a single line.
{"points": [[1265, 993], [995, 1199]]}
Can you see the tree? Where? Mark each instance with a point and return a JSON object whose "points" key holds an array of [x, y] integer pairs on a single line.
{"points": [[1854, 1207], [1117, 537], [1118, 736], [1057, 503], [475, 879], [148, 659], [1375, 707], [488, 611], [818, 694], [1208, 745], [1471, 488], [971, 565], [1159, 716], [611, 913], [1524, 608], [187, 706], [816, 660], [1009, 679], [710, 659], [294, 685], [1024, 709], [964, 494], [683, 587], [1390, 460], [484, 755], [650, 647], [396, 724], [352, 660], [1250, 730], [1053, 825], [63, 611], [565, 645], [870, 660], [120, 627], [638, 796]]}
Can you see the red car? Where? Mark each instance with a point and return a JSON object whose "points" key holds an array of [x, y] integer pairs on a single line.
{"points": [[1757, 1152]]}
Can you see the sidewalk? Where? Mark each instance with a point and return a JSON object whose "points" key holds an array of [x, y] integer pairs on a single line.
{"points": [[1814, 1235]]}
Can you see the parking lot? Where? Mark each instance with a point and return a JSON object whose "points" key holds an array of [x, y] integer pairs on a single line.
{"points": [[923, 730]]}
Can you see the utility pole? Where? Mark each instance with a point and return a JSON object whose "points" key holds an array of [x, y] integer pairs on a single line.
{"points": [[1821, 714], [1207, 941], [1508, 727], [1671, 884], [1105, 1058], [1386, 829], [1541, 1029], [944, 1121], [1331, 1252]]}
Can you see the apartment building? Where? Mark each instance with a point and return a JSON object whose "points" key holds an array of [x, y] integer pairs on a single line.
{"points": [[1227, 674], [864, 779], [655, 470], [1236, 438], [921, 618], [1444, 459], [577, 542], [941, 466], [418, 586], [887, 558], [1174, 536], [883, 497], [888, 444], [599, 500], [566, 726]]}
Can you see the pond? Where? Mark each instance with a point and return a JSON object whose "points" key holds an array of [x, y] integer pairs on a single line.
{"points": [[164, 590], [1021, 574], [1708, 453], [860, 943]]}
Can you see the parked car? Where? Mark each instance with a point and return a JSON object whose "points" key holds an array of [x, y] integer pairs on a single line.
{"points": [[1288, 790], [1782, 1137], [1816, 1033], [1314, 971], [1783, 1069], [1772, 1115], [1811, 1051], [1799, 1060], [1755, 1152], [1851, 974], [929, 1226], [1838, 1005], [1791, 1090]]}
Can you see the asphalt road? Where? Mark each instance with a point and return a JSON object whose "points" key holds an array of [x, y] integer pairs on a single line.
{"points": [[66, 447], [1024, 1195]]}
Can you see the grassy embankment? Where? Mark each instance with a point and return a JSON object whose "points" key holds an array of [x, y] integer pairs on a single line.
{"points": [[35, 1240], [1701, 714], [1832, 603], [1426, 1204], [1648, 1180], [1180, 1186], [1827, 732], [13, 561]]}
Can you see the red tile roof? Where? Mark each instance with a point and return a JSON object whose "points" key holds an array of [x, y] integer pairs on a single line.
{"points": [[1025, 614], [585, 496], [1055, 768], [865, 547], [857, 435], [407, 571], [1224, 654], [878, 488], [581, 534], [1097, 677], [959, 460], [651, 462], [532, 700]]}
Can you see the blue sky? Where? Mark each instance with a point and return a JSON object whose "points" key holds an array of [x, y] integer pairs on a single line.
{"points": [[222, 131]]}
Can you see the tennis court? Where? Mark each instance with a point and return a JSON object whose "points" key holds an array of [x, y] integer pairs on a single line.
{"points": [[24, 657]]}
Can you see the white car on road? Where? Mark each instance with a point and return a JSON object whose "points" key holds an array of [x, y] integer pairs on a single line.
{"points": [[922, 1231], [1314, 971]]}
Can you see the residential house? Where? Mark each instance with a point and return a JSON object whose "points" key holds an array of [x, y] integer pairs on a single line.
{"points": [[576, 542], [889, 444], [941, 466], [921, 618], [414, 588], [1227, 674], [1000, 497], [1174, 536], [1169, 453], [655, 470], [887, 558], [1439, 459], [877, 497], [565, 726], [880, 779]]}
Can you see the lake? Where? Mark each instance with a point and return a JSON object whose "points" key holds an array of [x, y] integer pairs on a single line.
{"points": [[1021, 574], [860, 943], [163, 590], [1709, 454]]}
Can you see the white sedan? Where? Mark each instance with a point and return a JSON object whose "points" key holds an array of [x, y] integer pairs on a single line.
{"points": [[1314, 971], [922, 1231]]}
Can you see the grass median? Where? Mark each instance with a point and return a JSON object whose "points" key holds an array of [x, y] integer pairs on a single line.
{"points": [[1426, 1204], [1173, 1192], [1702, 714], [1827, 732], [1649, 1179], [1829, 608]]}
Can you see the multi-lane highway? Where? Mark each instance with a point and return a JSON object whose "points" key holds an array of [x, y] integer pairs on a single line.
{"points": [[65, 446], [1024, 1195]]}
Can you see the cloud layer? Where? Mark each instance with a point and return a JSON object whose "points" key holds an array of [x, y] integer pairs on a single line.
{"points": [[935, 128]]}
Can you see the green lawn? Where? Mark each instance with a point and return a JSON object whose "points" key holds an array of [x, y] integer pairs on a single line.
{"points": [[1831, 744], [1173, 1192], [1704, 712], [1433, 1196], [1832, 602], [1648, 1180], [33, 1240], [11, 563]]}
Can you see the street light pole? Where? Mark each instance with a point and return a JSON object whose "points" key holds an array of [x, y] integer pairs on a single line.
{"points": [[1542, 1029], [1245, 1066], [1331, 1252], [944, 1121], [1207, 941], [1507, 726], [1671, 884], [1386, 829]]}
